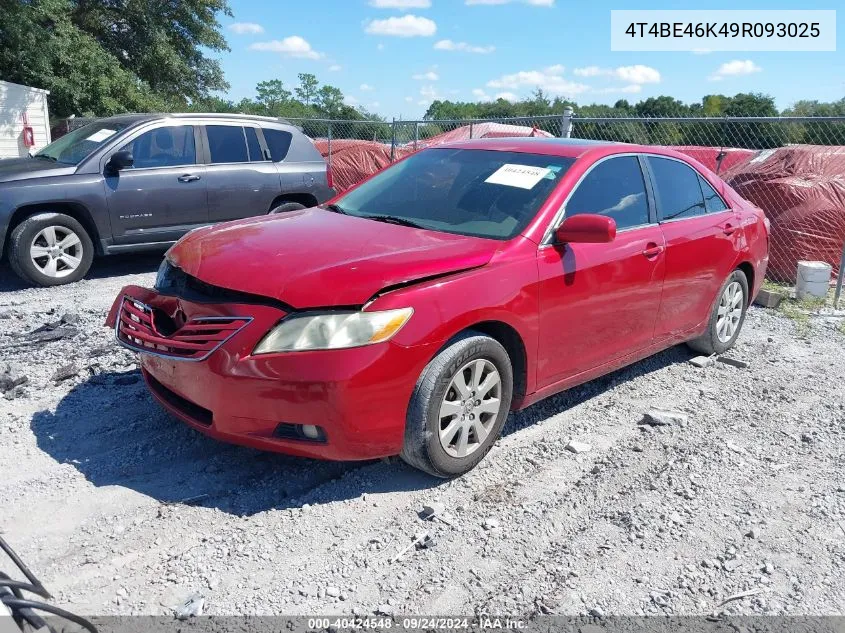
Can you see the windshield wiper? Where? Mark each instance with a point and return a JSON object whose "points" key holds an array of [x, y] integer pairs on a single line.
{"points": [[336, 208], [392, 219], [45, 156]]}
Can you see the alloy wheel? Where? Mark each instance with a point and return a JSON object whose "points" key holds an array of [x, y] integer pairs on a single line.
{"points": [[56, 251], [730, 311], [470, 407]]}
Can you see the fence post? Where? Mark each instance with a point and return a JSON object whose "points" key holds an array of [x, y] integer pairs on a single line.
{"points": [[839, 278], [329, 137], [416, 134], [566, 123], [470, 130], [393, 142]]}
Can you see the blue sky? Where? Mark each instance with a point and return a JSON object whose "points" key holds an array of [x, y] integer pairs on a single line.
{"points": [[395, 61]]}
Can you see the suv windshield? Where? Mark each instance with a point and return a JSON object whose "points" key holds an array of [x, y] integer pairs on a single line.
{"points": [[74, 146], [482, 193]]}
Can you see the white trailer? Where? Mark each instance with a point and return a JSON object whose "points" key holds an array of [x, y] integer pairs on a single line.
{"points": [[20, 107]]}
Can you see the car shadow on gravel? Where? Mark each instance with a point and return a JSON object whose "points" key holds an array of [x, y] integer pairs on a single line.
{"points": [[102, 268], [110, 429]]}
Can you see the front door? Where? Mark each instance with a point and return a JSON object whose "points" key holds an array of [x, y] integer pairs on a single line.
{"points": [[599, 302], [163, 195]]}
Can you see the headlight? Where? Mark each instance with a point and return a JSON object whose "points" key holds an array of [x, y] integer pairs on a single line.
{"points": [[333, 330]]}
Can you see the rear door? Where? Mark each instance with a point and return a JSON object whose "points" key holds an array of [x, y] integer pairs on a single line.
{"points": [[163, 195], [599, 302], [703, 239], [242, 180]]}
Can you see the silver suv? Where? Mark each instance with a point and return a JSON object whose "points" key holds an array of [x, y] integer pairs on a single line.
{"points": [[140, 181]]}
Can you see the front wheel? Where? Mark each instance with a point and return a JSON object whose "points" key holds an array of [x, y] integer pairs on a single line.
{"points": [[50, 249], [727, 317], [458, 407]]}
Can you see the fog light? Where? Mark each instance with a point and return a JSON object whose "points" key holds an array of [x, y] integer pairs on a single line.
{"points": [[311, 432]]}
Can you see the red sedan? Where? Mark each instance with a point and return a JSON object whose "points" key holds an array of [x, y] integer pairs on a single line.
{"points": [[415, 311]]}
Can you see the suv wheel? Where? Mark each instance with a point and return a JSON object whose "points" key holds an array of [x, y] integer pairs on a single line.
{"points": [[459, 406], [50, 249], [286, 207], [727, 317]]}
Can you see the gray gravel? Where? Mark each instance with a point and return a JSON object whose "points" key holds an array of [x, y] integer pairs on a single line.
{"points": [[735, 486]]}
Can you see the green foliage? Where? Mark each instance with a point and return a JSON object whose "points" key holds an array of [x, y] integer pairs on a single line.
{"points": [[110, 56]]}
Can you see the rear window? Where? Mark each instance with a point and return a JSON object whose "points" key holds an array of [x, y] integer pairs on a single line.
{"points": [[278, 141], [227, 144], [470, 192]]}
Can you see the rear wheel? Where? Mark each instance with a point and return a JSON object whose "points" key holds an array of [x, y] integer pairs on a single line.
{"points": [[50, 249], [727, 317], [459, 406], [286, 207]]}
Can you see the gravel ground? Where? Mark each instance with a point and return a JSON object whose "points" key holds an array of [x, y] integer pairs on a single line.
{"points": [[122, 510]]}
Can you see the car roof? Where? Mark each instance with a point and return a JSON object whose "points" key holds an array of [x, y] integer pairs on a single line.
{"points": [[566, 147], [139, 117]]}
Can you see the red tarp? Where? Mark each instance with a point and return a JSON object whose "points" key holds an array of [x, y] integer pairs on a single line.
{"points": [[801, 188], [483, 130], [352, 161]]}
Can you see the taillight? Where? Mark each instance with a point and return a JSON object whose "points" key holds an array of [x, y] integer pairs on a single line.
{"points": [[329, 178]]}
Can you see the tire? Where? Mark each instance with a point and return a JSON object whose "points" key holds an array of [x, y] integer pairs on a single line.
{"points": [[423, 447], [286, 207], [57, 267], [714, 341]]}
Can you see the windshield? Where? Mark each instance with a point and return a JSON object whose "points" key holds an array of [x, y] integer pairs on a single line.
{"points": [[466, 191], [74, 146]]}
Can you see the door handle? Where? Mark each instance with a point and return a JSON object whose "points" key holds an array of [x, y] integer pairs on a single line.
{"points": [[728, 229], [188, 178], [653, 250]]}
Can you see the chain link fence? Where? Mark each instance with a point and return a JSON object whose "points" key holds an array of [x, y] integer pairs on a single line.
{"points": [[791, 167]]}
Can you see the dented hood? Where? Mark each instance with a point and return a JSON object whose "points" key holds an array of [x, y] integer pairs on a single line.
{"points": [[317, 258]]}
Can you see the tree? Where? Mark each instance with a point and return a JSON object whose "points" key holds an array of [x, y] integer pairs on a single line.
{"points": [[330, 101], [109, 56], [272, 95], [307, 90]]}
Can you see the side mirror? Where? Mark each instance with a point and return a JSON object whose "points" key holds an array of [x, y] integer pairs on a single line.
{"points": [[587, 228], [120, 160]]}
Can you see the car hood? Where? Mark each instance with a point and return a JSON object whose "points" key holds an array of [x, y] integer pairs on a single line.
{"points": [[22, 168], [317, 258]]}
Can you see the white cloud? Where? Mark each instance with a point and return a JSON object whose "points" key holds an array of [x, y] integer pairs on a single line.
{"points": [[735, 68], [479, 94], [507, 96], [406, 26], [536, 3], [366, 88], [428, 92], [427, 76], [246, 28], [400, 4], [449, 45], [550, 79], [293, 46], [335, 68], [637, 74]]}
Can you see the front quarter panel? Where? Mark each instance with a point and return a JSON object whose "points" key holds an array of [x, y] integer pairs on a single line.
{"points": [[504, 290]]}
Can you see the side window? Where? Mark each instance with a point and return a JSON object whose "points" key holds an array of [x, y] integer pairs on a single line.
{"points": [[164, 147], [713, 202], [279, 143], [227, 144], [615, 187], [678, 192], [255, 152]]}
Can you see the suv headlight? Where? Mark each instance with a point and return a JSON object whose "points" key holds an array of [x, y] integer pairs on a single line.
{"points": [[333, 330]]}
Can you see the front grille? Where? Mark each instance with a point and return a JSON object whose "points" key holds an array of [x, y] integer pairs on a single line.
{"points": [[195, 340], [192, 410]]}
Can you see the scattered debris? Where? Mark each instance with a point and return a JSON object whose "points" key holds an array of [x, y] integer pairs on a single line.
{"points": [[663, 417], [490, 523], [741, 595], [733, 362], [192, 607], [10, 379], [333, 592], [419, 537], [753, 533], [768, 298], [702, 361], [435, 511], [65, 372], [577, 447]]}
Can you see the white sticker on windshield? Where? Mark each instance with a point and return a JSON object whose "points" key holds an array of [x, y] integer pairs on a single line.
{"points": [[100, 136], [522, 176]]}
